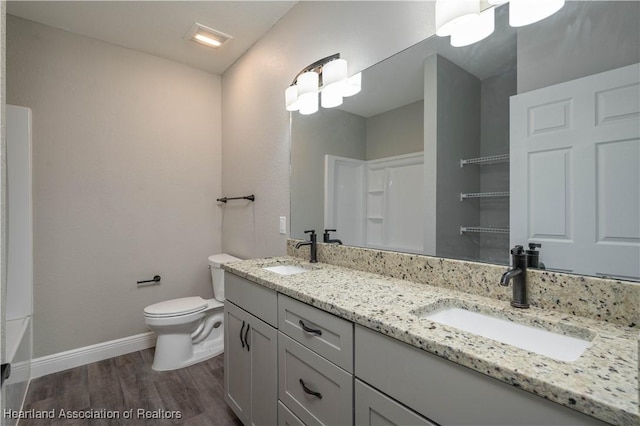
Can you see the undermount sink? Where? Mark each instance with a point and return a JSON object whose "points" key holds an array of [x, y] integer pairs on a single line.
{"points": [[286, 269], [548, 343]]}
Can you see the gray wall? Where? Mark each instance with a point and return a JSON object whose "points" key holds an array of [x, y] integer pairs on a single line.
{"points": [[126, 165], [430, 153], [458, 137], [494, 140], [396, 132], [329, 131], [583, 38], [256, 125]]}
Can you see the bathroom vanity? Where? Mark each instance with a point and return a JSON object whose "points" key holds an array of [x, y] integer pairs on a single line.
{"points": [[325, 344]]}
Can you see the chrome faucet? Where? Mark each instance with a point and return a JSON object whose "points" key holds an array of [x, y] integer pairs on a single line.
{"points": [[519, 277], [313, 247], [326, 238]]}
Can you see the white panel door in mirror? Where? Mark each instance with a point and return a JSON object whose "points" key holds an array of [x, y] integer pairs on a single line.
{"points": [[583, 167]]}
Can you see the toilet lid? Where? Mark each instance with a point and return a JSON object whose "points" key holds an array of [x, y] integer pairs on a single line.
{"points": [[182, 306], [217, 260]]}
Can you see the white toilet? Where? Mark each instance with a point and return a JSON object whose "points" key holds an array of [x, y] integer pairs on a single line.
{"points": [[189, 329]]}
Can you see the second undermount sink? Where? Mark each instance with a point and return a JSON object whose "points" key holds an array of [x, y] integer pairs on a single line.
{"points": [[544, 342], [286, 269]]}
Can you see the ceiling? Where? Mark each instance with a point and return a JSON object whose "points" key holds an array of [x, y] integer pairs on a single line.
{"points": [[159, 27]]}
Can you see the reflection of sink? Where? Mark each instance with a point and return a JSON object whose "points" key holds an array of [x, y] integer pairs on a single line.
{"points": [[543, 342], [286, 269]]}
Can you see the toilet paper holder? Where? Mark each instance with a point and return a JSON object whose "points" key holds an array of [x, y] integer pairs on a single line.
{"points": [[155, 280]]}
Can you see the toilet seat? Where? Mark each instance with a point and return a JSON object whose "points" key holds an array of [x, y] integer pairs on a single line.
{"points": [[176, 307]]}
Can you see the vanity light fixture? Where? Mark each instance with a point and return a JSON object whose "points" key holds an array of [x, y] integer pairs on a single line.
{"points": [[206, 36], [326, 79], [464, 21]]}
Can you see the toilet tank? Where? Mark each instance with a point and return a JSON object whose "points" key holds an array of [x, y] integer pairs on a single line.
{"points": [[217, 273]]}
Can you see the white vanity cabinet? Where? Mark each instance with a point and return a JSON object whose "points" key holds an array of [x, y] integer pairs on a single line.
{"points": [[450, 394], [250, 355], [290, 363], [315, 364]]}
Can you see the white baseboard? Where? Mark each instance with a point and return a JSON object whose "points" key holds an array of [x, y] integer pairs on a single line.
{"points": [[76, 357]]}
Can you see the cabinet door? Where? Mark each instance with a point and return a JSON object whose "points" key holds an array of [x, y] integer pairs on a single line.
{"points": [[237, 375], [376, 409], [262, 347], [250, 369]]}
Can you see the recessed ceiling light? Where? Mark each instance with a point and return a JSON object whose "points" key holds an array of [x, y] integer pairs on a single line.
{"points": [[206, 36]]}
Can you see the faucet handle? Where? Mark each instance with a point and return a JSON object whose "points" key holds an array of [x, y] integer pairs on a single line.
{"points": [[312, 235], [327, 237], [517, 250]]}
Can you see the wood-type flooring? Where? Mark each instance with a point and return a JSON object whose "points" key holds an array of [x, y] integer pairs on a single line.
{"points": [[125, 391]]}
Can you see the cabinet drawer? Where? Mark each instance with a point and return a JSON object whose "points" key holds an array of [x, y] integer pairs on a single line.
{"points": [[375, 408], [260, 301], [314, 389], [320, 331], [286, 417]]}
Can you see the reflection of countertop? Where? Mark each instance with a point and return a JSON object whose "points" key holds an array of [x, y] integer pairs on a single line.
{"points": [[602, 383]]}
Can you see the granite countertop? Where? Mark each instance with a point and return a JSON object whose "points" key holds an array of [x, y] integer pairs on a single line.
{"points": [[602, 383]]}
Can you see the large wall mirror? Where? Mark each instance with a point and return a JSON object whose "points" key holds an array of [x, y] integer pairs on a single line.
{"points": [[529, 136]]}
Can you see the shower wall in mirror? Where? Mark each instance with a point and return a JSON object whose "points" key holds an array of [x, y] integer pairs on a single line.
{"points": [[419, 160]]}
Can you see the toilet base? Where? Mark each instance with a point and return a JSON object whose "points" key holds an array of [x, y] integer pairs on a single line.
{"points": [[178, 349], [200, 352]]}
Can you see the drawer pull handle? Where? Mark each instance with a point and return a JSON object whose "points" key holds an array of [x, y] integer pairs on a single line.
{"points": [[309, 391], [310, 330], [241, 330], [246, 334]]}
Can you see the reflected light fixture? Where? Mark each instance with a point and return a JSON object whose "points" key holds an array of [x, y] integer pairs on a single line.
{"points": [[451, 14], [478, 28], [206, 36], [464, 21], [327, 80], [525, 12]]}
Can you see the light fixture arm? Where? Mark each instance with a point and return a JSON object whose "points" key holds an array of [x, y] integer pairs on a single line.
{"points": [[316, 66]]}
